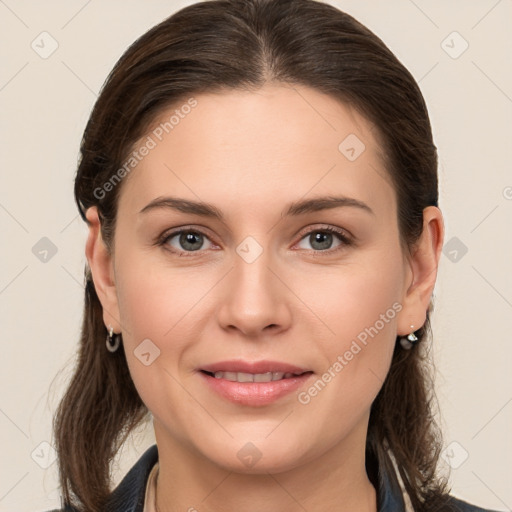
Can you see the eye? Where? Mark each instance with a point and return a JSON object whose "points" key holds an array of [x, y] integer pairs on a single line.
{"points": [[321, 239], [186, 241]]}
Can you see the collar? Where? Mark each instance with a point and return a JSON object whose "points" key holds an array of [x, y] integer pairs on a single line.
{"points": [[129, 495]]}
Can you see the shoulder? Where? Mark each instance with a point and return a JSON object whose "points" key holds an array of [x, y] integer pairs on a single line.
{"points": [[453, 502], [460, 505], [128, 496], [66, 509]]}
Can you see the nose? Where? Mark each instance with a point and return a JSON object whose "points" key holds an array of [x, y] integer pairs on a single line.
{"points": [[256, 300]]}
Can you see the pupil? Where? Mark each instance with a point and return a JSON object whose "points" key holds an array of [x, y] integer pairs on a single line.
{"points": [[189, 241], [324, 240]]}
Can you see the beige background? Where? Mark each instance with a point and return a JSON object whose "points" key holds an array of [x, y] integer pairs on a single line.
{"points": [[45, 104]]}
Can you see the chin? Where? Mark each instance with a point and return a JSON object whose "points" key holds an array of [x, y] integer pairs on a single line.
{"points": [[256, 458], [262, 466]]}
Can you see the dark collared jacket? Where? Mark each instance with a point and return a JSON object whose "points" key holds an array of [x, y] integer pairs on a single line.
{"points": [[129, 495]]}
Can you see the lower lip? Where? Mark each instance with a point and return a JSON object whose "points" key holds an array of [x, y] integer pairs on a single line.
{"points": [[254, 393]]}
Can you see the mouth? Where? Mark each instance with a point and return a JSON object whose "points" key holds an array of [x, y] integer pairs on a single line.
{"points": [[253, 377], [253, 383]]}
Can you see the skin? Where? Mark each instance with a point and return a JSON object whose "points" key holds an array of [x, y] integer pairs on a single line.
{"points": [[251, 154]]}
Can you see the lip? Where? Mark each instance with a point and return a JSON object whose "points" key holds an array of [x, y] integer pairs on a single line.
{"points": [[252, 367], [253, 393]]}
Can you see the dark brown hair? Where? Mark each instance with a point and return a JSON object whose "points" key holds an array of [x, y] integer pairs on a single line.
{"points": [[222, 45]]}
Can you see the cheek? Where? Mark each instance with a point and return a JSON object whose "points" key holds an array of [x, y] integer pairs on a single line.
{"points": [[155, 301], [358, 307], [165, 306], [151, 306], [350, 300]]}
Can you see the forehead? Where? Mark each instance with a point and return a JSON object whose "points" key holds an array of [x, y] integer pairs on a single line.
{"points": [[273, 116], [282, 140]]}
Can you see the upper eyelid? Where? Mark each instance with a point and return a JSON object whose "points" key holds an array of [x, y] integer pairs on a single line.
{"points": [[326, 227], [177, 231], [342, 233]]}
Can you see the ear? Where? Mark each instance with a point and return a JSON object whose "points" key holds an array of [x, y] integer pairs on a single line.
{"points": [[102, 269], [422, 272]]}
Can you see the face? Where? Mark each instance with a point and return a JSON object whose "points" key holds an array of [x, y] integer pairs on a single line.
{"points": [[275, 281]]}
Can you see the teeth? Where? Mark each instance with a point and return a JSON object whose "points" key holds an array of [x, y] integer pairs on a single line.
{"points": [[263, 377], [244, 377], [253, 377]]}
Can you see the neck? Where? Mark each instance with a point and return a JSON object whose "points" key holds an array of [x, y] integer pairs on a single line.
{"points": [[336, 481]]}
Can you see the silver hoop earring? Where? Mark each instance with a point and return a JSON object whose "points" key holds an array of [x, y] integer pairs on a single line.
{"points": [[113, 340], [409, 341]]}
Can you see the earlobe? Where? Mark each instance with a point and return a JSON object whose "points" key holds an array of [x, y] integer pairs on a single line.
{"points": [[423, 263], [101, 265]]}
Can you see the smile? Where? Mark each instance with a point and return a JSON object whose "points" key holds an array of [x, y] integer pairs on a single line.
{"points": [[253, 377], [253, 383]]}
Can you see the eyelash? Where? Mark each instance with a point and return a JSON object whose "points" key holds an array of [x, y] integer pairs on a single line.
{"points": [[341, 234]]}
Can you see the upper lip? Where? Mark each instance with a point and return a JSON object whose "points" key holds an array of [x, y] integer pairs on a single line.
{"points": [[240, 366]]}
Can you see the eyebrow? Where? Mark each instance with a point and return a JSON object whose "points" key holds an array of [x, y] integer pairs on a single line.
{"points": [[294, 209]]}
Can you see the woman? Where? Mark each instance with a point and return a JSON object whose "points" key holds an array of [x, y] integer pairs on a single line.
{"points": [[260, 186]]}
